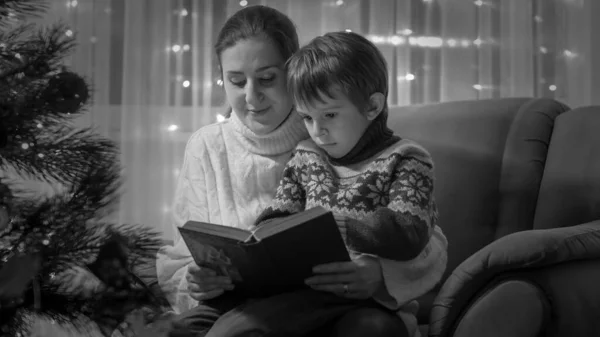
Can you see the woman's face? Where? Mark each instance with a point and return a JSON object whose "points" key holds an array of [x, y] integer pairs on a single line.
{"points": [[255, 84]]}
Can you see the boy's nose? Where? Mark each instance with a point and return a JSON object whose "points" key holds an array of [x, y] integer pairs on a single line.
{"points": [[319, 130]]}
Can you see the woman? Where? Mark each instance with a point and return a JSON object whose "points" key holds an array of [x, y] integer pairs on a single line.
{"points": [[231, 170]]}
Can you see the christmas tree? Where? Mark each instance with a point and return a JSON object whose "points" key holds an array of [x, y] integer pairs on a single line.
{"points": [[60, 259]]}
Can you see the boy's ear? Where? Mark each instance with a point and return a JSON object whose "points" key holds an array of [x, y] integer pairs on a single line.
{"points": [[376, 104]]}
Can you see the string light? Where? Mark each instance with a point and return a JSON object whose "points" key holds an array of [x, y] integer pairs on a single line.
{"points": [[220, 82], [186, 47], [24, 146], [477, 87], [72, 3], [543, 50], [220, 118], [569, 54], [552, 87], [69, 33], [243, 3], [478, 3], [339, 2], [173, 127], [348, 30], [423, 41], [183, 12], [406, 32], [176, 48], [186, 83]]}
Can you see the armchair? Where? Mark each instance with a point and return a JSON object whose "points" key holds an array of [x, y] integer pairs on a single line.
{"points": [[518, 190]]}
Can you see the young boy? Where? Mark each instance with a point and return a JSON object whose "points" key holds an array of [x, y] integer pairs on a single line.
{"points": [[378, 185]]}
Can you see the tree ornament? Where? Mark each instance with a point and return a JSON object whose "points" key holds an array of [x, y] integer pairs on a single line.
{"points": [[67, 91]]}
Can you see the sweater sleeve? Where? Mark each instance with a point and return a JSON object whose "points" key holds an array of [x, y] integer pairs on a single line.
{"points": [[189, 203], [290, 197], [407, 280], [401, 230]]}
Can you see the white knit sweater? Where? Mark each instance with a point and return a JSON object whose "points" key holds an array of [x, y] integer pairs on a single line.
{"points": [[230, 175]]}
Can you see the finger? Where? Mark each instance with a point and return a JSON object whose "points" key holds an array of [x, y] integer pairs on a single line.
{"points": [[207, 295], [355, 295], [335, 267], [331, 279], [338, 289], [223, 280], [194, 269], [198, 288]]}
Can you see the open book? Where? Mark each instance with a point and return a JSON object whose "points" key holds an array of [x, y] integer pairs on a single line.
{"points": [[277, 256]]}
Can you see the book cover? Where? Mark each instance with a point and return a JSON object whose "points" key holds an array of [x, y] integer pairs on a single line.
{"points": [[272, 259]]}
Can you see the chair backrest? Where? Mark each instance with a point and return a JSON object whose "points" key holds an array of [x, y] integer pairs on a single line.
{"points": [[570, 191], [489, 159]]}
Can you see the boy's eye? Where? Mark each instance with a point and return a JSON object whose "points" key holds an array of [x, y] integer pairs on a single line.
{"points": [[307, 118]]}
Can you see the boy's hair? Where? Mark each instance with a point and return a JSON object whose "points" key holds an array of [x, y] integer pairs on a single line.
{"points": [[339, 60]]}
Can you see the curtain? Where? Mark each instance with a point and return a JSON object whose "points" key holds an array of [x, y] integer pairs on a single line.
{"points": [[155, 77]]}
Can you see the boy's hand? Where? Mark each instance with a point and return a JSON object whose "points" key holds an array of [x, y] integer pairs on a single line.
{"points": [[359, 279], [204, 284]]}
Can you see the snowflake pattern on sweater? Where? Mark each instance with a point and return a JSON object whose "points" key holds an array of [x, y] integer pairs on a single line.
{"points": [[384, 206]]}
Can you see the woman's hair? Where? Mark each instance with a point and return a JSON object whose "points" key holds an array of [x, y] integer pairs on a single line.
{"points": [[338, 60], [259, 21]]}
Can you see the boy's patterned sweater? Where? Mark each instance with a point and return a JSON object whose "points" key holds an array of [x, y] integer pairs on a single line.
{"points": [[384, 205]]}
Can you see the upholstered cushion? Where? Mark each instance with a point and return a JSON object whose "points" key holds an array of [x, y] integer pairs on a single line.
{"points": [[489, 157], [570, 191]]}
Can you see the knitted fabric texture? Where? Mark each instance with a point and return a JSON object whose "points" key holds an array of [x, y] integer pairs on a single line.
{"points": [[377, 137], [384, 206]]}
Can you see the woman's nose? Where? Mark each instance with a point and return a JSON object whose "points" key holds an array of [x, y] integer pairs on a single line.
{"points": [[254, 94]]}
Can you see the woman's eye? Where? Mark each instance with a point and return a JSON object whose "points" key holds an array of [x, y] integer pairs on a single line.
{"points": [[330, 115], [237, 82], [267, 79]]}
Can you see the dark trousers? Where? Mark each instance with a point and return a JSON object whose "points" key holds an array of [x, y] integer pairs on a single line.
{"points": [[299, 313]]}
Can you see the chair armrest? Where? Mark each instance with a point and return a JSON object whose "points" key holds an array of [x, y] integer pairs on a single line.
{"points": [[515, 252], [573, 292]]}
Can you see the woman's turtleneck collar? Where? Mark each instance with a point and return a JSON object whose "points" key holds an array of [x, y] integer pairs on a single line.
{"points": [[375, 139], [281, 140]]}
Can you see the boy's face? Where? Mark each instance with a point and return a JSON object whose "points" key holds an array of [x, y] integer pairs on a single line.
{"points": [[336, 125]]}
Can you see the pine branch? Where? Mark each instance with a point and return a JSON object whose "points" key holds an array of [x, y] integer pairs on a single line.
{"points": [[28, 50], [59, 153], [17, 10]]}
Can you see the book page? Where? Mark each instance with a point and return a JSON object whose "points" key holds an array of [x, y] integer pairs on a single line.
{"points": [[280, 225], [219, 230]]}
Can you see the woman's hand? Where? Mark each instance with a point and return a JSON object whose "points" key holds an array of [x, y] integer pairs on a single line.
{"points": [[204, 284], [359, 278]]}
